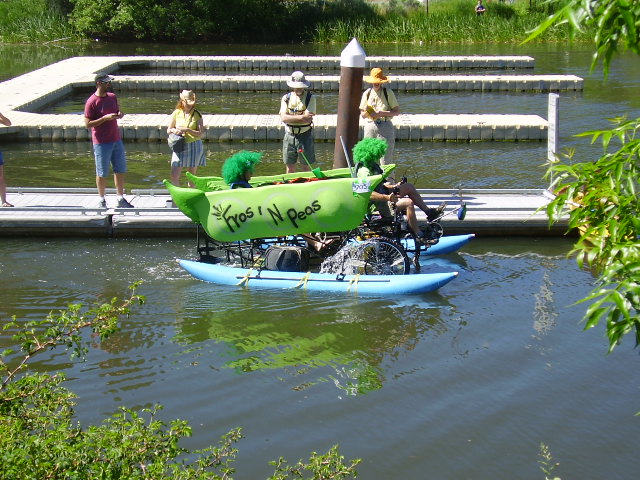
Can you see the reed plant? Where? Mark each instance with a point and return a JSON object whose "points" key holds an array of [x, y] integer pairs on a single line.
{"points": [[33, 21], [451, 21]]}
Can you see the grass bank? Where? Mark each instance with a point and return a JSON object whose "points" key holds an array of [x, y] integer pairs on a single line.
{"points": [[33, 21], [445, 21]]}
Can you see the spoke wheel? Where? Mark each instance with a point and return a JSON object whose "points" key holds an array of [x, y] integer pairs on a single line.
{"points": [[381, 256]]}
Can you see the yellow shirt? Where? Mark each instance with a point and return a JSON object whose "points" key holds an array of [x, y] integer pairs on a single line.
{"points": [[371, 100], [187, 120]]}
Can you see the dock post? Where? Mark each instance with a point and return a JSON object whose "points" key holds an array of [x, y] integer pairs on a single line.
{"points": [[352, 63]]}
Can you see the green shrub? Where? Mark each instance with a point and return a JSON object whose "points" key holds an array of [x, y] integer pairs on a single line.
{"points": [[39, 437], [33, 21]]}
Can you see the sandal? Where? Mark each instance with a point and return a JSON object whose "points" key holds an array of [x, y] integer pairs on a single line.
{"points": [[6, 204]]}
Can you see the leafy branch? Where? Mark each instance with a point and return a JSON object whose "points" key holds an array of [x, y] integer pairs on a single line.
{"points": [[63, 329], [601, 201]]}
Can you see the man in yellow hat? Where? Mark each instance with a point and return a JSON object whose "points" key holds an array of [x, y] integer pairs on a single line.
{"points": [[378, 106]]}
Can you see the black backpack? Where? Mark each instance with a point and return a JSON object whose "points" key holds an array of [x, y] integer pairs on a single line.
{"points": [[284, 258]]}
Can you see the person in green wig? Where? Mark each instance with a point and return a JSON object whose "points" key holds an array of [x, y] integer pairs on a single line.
{"points": [[403, 195], [238, 169]]}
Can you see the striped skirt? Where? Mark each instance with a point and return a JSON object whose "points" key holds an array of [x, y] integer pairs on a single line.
{"points": [[192, 156]]}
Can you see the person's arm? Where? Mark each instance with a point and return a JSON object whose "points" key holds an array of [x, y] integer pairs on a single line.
{"points": [[172, 126], [365, 109], [99, 121], [196, 133], [394, 107], [394, 112], [90, 122], [4, 120], [381, 197], [305, 119]]}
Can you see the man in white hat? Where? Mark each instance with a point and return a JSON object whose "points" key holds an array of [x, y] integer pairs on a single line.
{"points": [[378, 106], [101, 114], [297, 109]]}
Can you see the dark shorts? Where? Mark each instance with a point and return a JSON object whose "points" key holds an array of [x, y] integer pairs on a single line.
{"points": [[1, 159], [291, 145]]}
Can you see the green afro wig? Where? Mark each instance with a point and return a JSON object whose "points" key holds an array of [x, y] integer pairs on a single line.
{"points": [[235, 166], [369, 151]]}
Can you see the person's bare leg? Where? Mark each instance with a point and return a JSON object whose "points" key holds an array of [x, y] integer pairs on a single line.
{"points": [[175, 175], [408, 190], [291, 168], [118, 179], [407, 205], [3, 186], [101, 183]]}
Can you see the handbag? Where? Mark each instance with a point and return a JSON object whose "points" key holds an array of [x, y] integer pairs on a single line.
{"points": [[176, 142]]}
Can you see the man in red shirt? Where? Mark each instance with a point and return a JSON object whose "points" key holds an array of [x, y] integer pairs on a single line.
{"points": [[101, 114]]}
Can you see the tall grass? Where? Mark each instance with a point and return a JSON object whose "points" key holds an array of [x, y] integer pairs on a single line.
{"points": [[32, 21], [446, 22]]}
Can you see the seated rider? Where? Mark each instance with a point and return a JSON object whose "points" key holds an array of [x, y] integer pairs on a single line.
{"points": [[403, 195], [238, 169]]}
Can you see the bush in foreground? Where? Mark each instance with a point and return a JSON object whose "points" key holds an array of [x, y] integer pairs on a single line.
{"points": [[39, 437]]}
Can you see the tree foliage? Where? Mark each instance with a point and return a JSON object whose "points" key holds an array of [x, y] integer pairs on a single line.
{"points": [[615, 23], [40, 439], [602, 202], [601, 197], [191, 21]]}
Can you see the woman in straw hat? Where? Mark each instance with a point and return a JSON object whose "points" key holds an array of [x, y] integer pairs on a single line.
{"points": [[186, 121], [377, 106]]}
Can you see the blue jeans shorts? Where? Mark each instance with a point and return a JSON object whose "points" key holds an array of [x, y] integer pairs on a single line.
{"points": [[111, 153], [1, 159]]}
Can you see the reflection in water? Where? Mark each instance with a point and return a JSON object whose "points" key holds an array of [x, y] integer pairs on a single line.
{"points": [[302, 338], [544, 314]]}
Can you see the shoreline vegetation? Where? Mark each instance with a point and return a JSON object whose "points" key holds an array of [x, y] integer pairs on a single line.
{"points": [[278, 21]]}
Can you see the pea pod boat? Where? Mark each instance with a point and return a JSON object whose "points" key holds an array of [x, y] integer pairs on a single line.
{"points": [[322, 282], [335, 203], [278, 209]]}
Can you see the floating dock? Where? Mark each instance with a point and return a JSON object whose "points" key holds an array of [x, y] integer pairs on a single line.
{"points": [[230, 128], [24, 96], [74, 212]]}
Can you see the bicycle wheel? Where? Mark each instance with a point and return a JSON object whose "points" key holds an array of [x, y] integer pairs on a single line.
{"points": [[381, 256]]}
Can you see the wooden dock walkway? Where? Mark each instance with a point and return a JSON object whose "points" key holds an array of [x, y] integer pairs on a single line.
{"points": [[73, 212], [22, 97]]}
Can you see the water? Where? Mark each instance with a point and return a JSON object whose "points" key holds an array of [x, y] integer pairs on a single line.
{"points": [[459, 384]]}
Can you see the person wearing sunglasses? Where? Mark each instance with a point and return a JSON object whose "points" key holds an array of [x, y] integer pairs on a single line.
{"points": [[101, 115]]}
